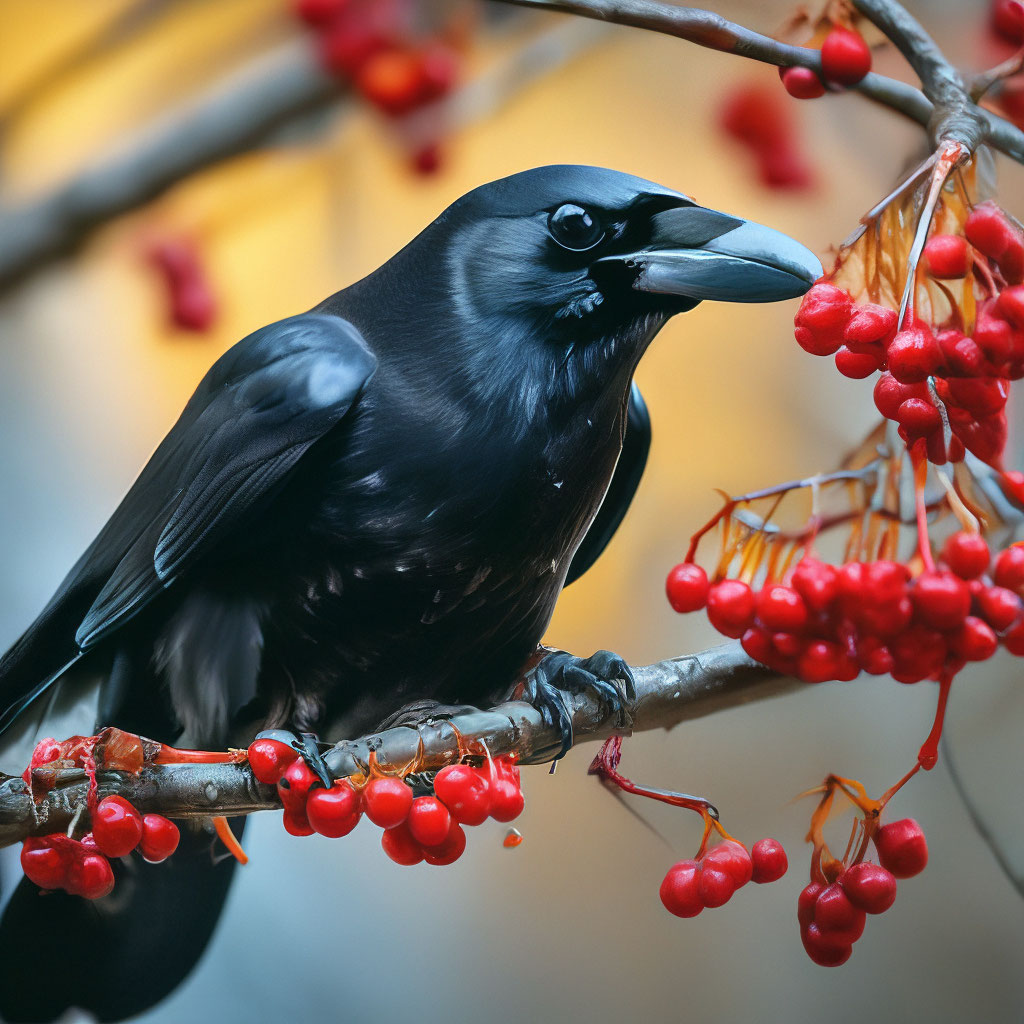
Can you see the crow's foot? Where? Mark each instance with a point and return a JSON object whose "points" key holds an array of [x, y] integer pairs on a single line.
{"points": [[559, 675]]}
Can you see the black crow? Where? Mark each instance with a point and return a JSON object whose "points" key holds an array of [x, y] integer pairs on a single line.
{"points": [[374, 503]]}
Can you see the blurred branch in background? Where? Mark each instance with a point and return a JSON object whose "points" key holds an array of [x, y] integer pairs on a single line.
{"points": [[667, 693]]}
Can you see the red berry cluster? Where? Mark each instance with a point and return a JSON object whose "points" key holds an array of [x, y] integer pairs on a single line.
{"points": [[832, 916], [191, 303], [832, 622], [970, 373], [845, 60], [81, 867], [416, 828], [367, 43], [712, 878]]}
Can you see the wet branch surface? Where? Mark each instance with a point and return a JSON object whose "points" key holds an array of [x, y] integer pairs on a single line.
{"points": [[667, 693]]}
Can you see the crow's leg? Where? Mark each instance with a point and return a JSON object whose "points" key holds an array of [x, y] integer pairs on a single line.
{"points": [[558, 675]]}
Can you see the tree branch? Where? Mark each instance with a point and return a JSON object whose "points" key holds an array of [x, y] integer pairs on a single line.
{"points": [[667, 693]]}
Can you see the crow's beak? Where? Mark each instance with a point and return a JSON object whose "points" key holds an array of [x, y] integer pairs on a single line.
{"points": [[696, 253]]}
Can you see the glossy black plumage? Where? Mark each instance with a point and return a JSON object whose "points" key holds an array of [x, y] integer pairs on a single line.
{"points": [[380, 501]]}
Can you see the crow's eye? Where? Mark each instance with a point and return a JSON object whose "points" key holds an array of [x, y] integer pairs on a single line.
{"points": [[574, 228]]}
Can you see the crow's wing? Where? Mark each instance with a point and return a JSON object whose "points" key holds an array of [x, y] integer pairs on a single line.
{"points": [[254, 415], [636, 443]]}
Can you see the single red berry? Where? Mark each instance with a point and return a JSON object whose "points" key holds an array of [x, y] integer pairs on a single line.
{"points": [[1007, 20], [819, 662], [464, 792], [823, 949], [902, 848], [1010, 305], [450, 849], [806, 902], [870, 325], [768, 860], [993, 336], [116, 826], [802, 83], [947, 256], [90, 876], [731, 607], [392, 80], [159, 838], [387, 801], [336, 811], [999, 607], [816, 583], [889, 394], [989, 229], [680, 892], [268, 759], [732, 858], [874, 657], [507, 800], [913, 355], [869, 886], [399, 844], [295, 784], [974, 640], [981, 396], [856, 365], [822, 318], [845, 57], [941, 599], [758, 643], [1009, 568], [1013, 641], [44, 865], [429, 821], [687, 587], [715, 886], [836, 915], [296, 823], [962, 356], [919, 418], [789, 645], [967, 554], [781, 608]]}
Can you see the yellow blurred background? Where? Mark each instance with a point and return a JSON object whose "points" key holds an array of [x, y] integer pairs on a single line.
{"points": [[568, 926]]}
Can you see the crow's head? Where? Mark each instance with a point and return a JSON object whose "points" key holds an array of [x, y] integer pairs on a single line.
{"points": [[586, 245]]}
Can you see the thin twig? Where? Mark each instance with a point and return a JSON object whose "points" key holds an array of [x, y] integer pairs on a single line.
{"points": [[667, 693]]}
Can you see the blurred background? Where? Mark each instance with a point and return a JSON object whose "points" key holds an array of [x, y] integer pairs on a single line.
{"points": [[175, 174]]}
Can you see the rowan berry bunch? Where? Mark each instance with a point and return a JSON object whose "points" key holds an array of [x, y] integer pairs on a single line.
{"points": [[845, 56], [420, 827], [372, 45], [82, 866]]}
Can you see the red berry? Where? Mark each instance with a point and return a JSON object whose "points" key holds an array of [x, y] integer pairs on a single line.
{"points": [[802, 83], [730, 607], [816, 583], [268, 759], [680, 889], [1007, 20], [90, 876], [387, 801], [874, 657], [960, 355], [1013, 641], [732, 858], [941, 599], [429, 821], [806, 902], [967, 554], [715, 886], [981, 396], [974, 641], [836, 915], [856, 365], [159, 838], [999, 607], [889, 394], [913, 355], [819, 662], [336, 811], [845, 57], [116, 826], [1009, 568], [318, 12], [44, 865], [506, 800], [946, 256], [399, 844], [450, 849], [1010, 305], [294, 785], [902, 848], [822, 318], [781, 608], [758, 643], [769, 861], [687, 587], [919, 418], [392, 80], [464, 792], [989, 229], [869, 886], [296, 823], [823, 949], [870, 324]]}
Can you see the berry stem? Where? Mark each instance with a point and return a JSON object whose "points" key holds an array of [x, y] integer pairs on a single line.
{"points": [[929, 752]]}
